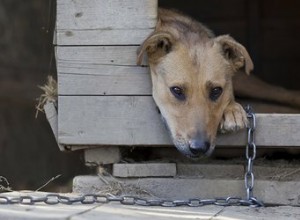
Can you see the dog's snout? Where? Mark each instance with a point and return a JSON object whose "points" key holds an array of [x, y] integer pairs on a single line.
{"points": [[199, 146]]}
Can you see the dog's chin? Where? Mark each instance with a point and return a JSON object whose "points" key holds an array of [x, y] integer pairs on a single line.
{"points": [[183, 146], [184, 149]]}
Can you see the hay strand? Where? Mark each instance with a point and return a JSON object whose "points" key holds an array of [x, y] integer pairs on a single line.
{"points": [[114, 187], [49, 95], [4, 185]]}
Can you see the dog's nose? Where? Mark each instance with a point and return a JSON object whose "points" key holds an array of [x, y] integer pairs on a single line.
{"points": [[199, 146]]}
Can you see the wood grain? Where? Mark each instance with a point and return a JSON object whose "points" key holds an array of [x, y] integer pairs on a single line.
{"points": [[102, 22], [101, 70], [134, 120]]}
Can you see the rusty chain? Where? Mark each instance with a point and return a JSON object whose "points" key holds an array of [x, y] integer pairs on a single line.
{"points": [[54, 198]]}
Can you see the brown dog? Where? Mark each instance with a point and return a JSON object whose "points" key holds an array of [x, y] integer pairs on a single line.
{"points": [[192, 73]]}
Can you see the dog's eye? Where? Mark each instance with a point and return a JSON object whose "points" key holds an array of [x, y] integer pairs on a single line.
{"points": [[178, 92], [215, 93]]}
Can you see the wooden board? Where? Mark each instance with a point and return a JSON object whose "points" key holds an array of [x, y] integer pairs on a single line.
{"points": [[109, 120], [134, 120], [100, 55], [99, 70], [102, 22]]}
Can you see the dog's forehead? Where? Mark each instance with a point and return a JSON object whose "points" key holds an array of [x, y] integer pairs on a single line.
{"points": [[191, 63], [203, 59], [204, 53], [208, 60]]}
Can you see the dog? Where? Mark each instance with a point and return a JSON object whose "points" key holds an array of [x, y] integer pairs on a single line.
{"points": [[193, 75]]}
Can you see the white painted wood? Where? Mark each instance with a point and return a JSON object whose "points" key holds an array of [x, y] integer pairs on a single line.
{"points": [[134, 120], [102, 22]]}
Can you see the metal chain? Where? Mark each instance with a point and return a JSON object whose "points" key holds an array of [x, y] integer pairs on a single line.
{"points": [[250, 153], [52, 199]]}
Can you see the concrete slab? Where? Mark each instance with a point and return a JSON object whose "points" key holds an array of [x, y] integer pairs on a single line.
{"points": [[117, 211], [42, 211], [248, 213], [39, 210], [271, 192]]}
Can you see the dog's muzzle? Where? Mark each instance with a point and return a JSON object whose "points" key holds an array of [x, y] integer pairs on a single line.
{"points": [[198, 147], [194, 148]]}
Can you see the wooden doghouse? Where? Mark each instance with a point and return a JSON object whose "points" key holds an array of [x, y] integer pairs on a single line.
{"points": [[104, 98]]}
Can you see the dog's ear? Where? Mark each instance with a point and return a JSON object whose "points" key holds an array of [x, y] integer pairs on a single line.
{"points": [[235, 53], [156, 46]]}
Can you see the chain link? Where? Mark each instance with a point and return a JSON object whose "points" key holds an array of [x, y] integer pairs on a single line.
{"points": [[250, 155], [53, 198]]}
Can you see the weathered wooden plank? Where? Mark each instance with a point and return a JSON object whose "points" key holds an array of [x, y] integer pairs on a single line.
{"points": [[129, 83], [100, 55], [114, 22], [51, 115], [109, 120], [99, 70], [133, 120], [100, 14], [102, 37]]}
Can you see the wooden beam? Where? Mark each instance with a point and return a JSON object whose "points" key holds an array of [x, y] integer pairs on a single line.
{"points": [[134, 120]]}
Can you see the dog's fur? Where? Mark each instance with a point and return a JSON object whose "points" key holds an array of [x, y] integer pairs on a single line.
{"points": [[191, 72]]}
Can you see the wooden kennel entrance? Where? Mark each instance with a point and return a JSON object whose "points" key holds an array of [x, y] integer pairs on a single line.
{"points": [[104, 98]]}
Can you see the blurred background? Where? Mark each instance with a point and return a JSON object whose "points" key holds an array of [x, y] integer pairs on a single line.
{"points": [[269, 29], [29, 156]]}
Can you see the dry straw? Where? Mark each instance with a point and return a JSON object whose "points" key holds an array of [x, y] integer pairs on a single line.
{"points": [[49, 95]]}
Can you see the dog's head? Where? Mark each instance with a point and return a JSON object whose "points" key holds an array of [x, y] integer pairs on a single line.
{"points": [[192, 85]]}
